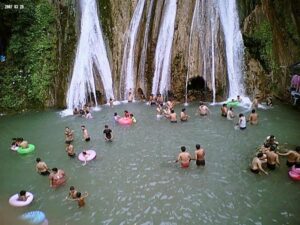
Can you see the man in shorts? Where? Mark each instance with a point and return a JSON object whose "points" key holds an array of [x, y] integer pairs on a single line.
{"points": [[107, 133]]}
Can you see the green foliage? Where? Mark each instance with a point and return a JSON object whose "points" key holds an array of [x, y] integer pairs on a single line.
{"points": [[28, 73]]}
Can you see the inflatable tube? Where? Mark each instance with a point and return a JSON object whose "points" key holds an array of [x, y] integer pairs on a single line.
{"points": [[13, 200], [231, 103], [14, 148], [35, 217], [294, 173], [91, 155], [125, 121], [23, 151]]}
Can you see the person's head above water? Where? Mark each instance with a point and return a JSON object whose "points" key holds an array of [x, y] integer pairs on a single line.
{"points": [[224, 105], [22, 193], [38, 160], [72, 188], [253, 111], [106, 126], [78, 194], [183, 110], [183, 148], [82, 127], [198, 146], [172, 111], [54, 170], [259, 155], [115, 114], [241, 115]]}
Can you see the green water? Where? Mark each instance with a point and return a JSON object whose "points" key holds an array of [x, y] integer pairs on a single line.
{"points": [[134, 180]]}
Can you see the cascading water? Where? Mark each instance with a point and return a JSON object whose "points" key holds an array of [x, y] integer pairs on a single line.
{"points": [[91, 55], [164, 49], [144, 50], [128, 74], [234, 46], [203, 34]]}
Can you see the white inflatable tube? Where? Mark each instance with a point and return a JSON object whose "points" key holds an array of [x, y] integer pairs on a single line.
{"points": [[91, 154], [13, 200]]}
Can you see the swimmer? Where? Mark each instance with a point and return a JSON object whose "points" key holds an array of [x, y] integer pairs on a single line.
{"points": [[256, 165], [14, 146], [69, 135], [72, 193], [80, 199], [253, 118], [116, 117], [85, 134], [70, 150], [133, 118], [173, 116], [41, 167], [272, 158], [239, 99], [85, 155], [292, 156], [126, 114], [183, 116], [203, 109], [56, 177], [75, 111], [88, 115], [242, 121], [184, 158], [24, 144], [107, 133], [224, 110], [22, 196], [199, 156], [160, 99], [230, 114]]}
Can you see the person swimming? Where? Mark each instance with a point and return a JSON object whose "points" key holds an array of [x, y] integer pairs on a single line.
{"points": [[224, 110], [22, 196]]}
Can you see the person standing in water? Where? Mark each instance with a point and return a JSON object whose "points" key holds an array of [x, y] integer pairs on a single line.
{"points": [[183, 116], [69, 135], [230, 114], [242, 122], [253, 118], [292, 156], [272, 158], [85, 133], [70, 150], [203, 109], [224, 110], [199, 156], [173, 116], [107, 133], [41, 167], [184, 158], [256, 165]]}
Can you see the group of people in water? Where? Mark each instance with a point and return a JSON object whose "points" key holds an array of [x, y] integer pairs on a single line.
{"points": [[268, 157]]}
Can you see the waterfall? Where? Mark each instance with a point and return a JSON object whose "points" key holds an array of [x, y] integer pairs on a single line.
{"points": [[144, 50], [203, 34], [128, 74], [91, 58], [163, 49], [234, 46]]}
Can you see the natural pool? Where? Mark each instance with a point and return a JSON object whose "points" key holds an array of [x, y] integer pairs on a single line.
{"points": [[134, 180]]}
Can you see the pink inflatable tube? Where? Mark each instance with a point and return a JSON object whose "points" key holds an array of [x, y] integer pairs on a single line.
{"points": [[91, 154], [125, 121], [294, 173]]}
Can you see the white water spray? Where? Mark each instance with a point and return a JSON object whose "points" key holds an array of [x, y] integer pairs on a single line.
{"points": [[234, 46], [128, 74], [164, 49], [144, 51], [91, 58]]}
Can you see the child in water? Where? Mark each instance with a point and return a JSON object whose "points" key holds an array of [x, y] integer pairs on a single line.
{"points": [[133, 118], [22, 196]]}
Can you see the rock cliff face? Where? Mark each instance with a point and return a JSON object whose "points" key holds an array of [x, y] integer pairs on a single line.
{"points": [[270, 31]]}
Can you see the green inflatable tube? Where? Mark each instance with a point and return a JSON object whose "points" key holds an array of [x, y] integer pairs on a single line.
{"points": [[24, 151], [230, 103]]}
